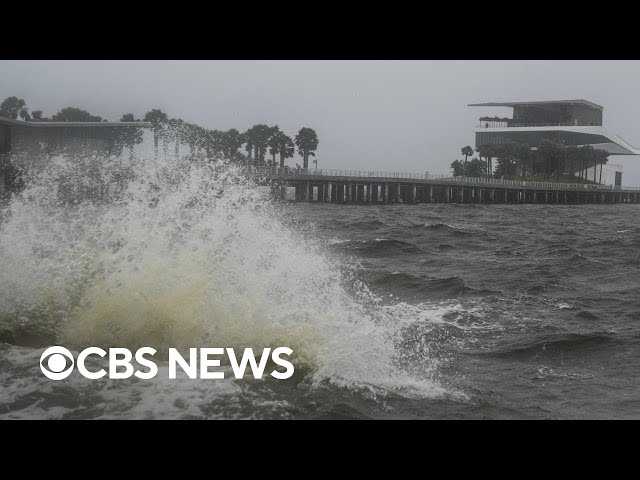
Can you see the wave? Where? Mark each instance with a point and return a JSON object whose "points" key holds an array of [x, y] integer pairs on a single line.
{"points": [[186, 254], [380, 247], [422, 286], [556, 345]]}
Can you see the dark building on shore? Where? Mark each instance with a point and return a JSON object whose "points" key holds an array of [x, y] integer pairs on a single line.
{"points": [[27, 143], [568, 122]]}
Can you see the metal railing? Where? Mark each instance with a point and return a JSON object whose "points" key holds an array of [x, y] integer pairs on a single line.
{"points": [[498, 124], [288, 171], [267, 171]]}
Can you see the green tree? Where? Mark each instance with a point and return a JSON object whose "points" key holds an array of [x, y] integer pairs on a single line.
{"points": [[467, 152], [602, 157], [552, 155], [307, 142], [273, 143], [130, 136], [487, 152], [232, 140], [73, 114], [158, 120], [248, 144], [13, 107], [282, 144], [523, 154], [175, 133], [36, 116], [587, 155], [457, 167], [261, 141], [257, 138], [212, 142], [476, 168], [572, 155]]}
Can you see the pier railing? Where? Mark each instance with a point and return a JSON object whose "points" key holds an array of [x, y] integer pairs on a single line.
{"points": [[288, 172]]}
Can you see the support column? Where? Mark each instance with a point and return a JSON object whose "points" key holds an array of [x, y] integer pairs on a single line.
{"points": [[493, 195], [396, 191], [447, 193], [431, 193], [412, 189], [385, 193], [369, 192]]}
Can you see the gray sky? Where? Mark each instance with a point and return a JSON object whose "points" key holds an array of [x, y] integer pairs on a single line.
{"points": [[385, 115]]}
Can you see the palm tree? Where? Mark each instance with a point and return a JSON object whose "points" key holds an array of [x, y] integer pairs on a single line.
{"points": [[273, 143], [488, 152], [587, 153], [232, 140], [282, 144], [307, 142], [467, 152], [602, 158], [248, 141], [257, 139]]}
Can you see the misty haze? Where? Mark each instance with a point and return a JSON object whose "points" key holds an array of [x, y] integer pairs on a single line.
{"points": [[377, 239]]}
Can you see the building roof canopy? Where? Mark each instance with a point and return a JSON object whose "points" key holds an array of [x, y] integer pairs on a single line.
{"points": [[542, 103], [49, 124]]}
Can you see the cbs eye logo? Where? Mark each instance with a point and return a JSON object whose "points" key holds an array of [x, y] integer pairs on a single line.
{"points": [[59, 365]]}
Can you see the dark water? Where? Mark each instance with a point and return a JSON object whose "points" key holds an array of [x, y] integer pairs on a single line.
{"points": [[542, 303], [522, 312]]}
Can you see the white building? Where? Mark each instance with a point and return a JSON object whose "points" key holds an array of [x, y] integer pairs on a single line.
{"points": [[569, 122]]}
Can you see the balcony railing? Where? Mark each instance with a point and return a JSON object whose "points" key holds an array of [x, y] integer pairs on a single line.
{"points": [[518, 124]]}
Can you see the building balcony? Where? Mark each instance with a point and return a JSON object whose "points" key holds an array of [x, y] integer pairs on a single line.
{"points": [[512, 124]]}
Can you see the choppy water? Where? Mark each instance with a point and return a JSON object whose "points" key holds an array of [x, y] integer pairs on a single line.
{"points": [[426, 311]]}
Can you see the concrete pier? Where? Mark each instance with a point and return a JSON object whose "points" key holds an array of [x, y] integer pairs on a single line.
{"points": [[361, 187]]}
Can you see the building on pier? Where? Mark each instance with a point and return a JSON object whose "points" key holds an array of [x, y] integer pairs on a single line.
{"points": [[23, 143], [569, 122]]}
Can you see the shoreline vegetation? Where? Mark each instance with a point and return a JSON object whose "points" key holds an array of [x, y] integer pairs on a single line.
{"points": [[518, 161], [549, 161], [257, 142]]}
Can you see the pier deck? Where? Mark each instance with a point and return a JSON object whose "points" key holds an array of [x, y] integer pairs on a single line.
{"points": [[365, 186]]}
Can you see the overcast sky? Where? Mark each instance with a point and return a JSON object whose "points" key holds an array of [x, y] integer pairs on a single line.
{"points": [[385, 115]]}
